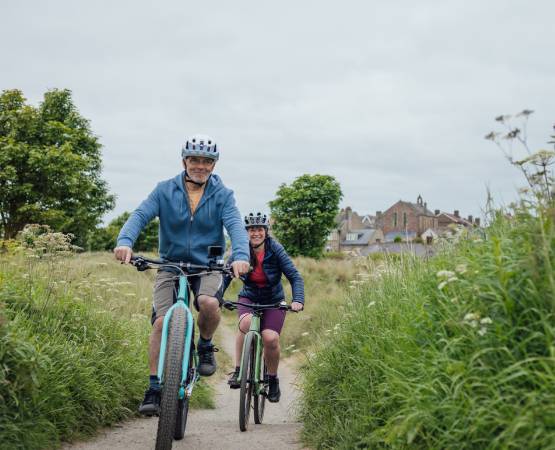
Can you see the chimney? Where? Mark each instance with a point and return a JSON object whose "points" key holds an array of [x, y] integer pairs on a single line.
{"points": [[470, 219], [378, 214], [456, 213], [425, 205], [477, 221], [436, 212]]}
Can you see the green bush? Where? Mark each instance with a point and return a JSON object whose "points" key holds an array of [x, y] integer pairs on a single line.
{"points": [[456, 352], [73, 347]]}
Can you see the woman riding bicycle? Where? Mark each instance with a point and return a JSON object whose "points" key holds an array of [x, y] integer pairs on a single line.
{"points": [[263, 286]]}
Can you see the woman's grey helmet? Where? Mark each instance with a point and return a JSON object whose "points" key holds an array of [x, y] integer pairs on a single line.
{"points": [[257, 220], [200, 145]]}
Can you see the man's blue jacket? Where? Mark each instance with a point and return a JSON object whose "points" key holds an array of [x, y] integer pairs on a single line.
{"points": [[183, 236], [276, 262]]}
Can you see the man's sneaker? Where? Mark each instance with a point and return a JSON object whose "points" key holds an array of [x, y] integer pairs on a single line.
{"points": [[207, 363], [273, 391], [151, 404], [233, 381]]}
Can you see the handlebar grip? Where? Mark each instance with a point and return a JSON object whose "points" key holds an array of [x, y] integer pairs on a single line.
{"points": [[229, 305]]}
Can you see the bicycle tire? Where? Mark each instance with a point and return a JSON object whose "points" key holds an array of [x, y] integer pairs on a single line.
{"points": [[172, 380], [183, 405], [260, 400], [247, 375]]}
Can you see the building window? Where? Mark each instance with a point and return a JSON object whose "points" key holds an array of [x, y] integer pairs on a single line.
{"points": [[352, 236], [395, 219], [404, 220]]}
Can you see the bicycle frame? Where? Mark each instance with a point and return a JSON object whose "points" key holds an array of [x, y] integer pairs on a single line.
{"points": [[258, 375], [181, 302]]}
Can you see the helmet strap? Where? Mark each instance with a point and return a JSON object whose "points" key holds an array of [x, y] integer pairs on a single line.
{"points": [[259, 245], [189, 180]]}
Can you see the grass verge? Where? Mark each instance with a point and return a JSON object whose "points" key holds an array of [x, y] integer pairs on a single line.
{"points": [[73, 347], [457, 352]]}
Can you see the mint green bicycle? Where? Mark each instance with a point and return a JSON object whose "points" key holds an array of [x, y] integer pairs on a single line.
{"points": [[252, 372], [177, 366]]}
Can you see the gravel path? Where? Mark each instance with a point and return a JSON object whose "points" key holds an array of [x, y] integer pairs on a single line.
{"points": [[215, 428]]}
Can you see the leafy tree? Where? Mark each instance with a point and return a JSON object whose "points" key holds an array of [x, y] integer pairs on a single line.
{"points": [[304, 213], [105, 238], [50, 165]]}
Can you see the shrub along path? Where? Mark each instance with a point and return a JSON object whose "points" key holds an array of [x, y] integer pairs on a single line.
{"points": [[216, 428]]}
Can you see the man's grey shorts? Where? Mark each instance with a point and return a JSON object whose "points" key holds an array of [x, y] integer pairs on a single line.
{"points": [[165, 290]]}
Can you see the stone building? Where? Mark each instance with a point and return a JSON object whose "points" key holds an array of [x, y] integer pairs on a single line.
{"points": [[406, 220]]}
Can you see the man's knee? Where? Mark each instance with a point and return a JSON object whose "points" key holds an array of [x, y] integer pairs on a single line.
{"points": [[271, 339], [208, 304]]}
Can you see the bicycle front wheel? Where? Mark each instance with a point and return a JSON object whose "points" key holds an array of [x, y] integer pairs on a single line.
{"points": [[247, 381], [260, 399], [172, 379]]}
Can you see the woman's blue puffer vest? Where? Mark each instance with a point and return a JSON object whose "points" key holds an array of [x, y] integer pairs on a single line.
{"points": [[276, 263]]}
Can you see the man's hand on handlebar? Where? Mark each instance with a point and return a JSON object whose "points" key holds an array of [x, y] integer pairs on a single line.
{"points": [[297, 306], [240, 268], [123, 253]]}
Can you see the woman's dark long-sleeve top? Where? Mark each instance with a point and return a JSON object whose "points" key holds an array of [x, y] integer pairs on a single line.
{"points": [[276, 262]]}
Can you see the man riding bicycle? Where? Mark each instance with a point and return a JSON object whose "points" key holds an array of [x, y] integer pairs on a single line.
{"points": [[193, 209], [263, 286]]}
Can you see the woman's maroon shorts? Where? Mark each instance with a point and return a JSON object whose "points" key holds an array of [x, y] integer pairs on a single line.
{"points": [[272, 319]]}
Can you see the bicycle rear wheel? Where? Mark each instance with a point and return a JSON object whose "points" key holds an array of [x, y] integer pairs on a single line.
{"points": [[247, 381], [260, 399], [172, 380]]}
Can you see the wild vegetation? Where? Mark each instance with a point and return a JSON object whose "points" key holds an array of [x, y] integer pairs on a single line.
{"points": [[455, 352], [73, 340]]}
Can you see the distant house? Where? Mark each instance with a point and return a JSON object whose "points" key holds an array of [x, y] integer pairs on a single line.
{"points": [[406, 220], [352, 231], [357, 240], [445, 220]]}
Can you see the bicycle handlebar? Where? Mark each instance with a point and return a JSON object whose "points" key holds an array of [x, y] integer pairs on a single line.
{"points": [[258, 307], [142, 263]]}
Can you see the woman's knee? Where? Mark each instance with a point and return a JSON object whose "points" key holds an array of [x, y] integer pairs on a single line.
{"points": [[245, 322], [271, 339]]}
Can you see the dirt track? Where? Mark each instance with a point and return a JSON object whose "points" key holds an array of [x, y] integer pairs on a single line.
{"points": [[216, 428]]}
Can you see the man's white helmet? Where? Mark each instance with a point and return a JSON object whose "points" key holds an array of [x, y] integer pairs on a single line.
{"points": [[200, 145]]}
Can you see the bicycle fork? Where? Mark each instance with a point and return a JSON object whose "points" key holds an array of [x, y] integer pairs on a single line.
{"points": [[257, 377]]}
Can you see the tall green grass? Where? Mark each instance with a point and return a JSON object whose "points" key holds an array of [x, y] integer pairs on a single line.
{"points": [[456, 352], [73, 347]]}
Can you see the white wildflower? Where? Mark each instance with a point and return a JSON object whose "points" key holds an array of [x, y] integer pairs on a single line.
{"points": [[306, 333], [445, 274], [471, 316], [130, 294], [461, 268], [482, 331], [295, 351], [371, 304], [441, 285], [486, 321]]}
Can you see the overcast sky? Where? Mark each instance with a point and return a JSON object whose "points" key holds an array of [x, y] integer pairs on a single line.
{"points": [[391, 98]]}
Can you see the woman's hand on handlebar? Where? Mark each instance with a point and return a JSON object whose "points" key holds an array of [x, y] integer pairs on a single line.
{"points": [[297, 306], [123, 253]]}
